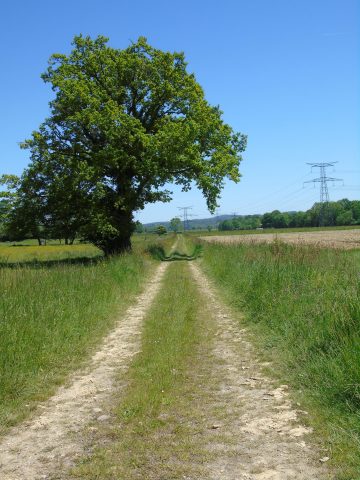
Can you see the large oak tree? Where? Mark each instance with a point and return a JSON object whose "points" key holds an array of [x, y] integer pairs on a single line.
{"points": [[123, 124]]}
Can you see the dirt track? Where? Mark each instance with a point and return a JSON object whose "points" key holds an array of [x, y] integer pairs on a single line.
{"points": [[343, 239]]}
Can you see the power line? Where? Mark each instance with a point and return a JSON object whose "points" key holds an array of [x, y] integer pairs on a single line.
{"points": [[323, 180], [186, 216], [277, 194]]}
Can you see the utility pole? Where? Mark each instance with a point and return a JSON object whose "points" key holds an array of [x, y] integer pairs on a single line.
{"points": [[324, 192], [185, 215]]}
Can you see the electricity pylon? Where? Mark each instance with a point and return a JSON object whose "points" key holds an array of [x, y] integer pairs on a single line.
{"points": [[324, 192], [185, 215]]}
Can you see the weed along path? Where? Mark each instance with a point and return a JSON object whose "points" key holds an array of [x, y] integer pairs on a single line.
{"points": [[50, 442], [256, 433]]}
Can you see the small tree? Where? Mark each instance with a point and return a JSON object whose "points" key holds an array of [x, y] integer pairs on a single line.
{"points": [[24, 210], [175, 224], [139, 227], [160, 230]]}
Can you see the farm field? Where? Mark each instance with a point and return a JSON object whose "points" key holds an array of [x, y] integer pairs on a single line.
{"points": [[343, 239], [220, 360], [27, 253]]}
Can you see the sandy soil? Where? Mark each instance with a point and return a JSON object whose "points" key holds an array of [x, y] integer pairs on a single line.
{"points": [[345, 239], [52, 440], [256, 433]]}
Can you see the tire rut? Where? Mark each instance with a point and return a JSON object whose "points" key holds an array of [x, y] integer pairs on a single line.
{"points": [[257, 434]]}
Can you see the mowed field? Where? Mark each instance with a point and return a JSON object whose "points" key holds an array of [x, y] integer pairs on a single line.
{"points": [[344, 239]]}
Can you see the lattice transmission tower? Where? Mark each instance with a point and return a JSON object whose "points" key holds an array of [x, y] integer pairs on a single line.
{"points": [[324, 191], [186, 216]]}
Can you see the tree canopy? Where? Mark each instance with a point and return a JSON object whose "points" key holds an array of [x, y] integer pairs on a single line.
{"points": [[160, 230], [175, 224], [122, 125]]}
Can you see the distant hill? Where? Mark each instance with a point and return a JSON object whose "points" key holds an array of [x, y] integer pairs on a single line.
{"points": [[194, 224]]}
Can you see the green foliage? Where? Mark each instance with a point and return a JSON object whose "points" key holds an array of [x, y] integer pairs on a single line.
{"points": [[241, 222], [342, 213], [160, 230], [139, 227], [123, 123], [175, 224], [19, 215], [4, 211]]}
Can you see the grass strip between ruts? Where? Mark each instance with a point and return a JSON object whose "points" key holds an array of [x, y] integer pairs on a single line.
{"points": [[152, 437]]}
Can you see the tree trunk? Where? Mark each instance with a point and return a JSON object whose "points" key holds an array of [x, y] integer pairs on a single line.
{"points": [[116, 246], [39, 241], [120, 243]]}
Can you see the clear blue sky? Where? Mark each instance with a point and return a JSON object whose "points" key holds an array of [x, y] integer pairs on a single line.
{"points": [[284, 72]]}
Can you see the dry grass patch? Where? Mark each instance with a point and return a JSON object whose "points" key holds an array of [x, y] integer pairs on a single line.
{"points": [[343, 239]]}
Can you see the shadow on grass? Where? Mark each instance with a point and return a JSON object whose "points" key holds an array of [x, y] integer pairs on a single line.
{"points": [[53, 263], [158, 252]]}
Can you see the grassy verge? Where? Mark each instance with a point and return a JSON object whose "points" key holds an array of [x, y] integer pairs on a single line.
{"points": [[153, 436], [52, 316], [303, 304]]}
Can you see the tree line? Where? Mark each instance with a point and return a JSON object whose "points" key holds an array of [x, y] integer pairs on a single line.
{"points": [[341, 213]]}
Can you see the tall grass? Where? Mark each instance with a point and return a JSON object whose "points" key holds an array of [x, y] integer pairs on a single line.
{"points": [[52, 317], [303, 303]]}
